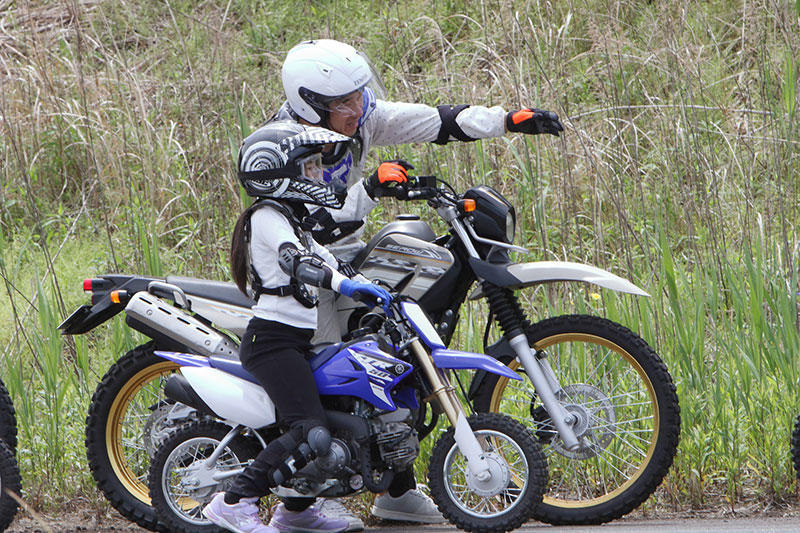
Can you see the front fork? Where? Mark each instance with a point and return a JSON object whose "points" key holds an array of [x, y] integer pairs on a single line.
{"points": [[445, 394], [546, 385], [511, 318]]}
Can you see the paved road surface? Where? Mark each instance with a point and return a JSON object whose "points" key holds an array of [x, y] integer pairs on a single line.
{"points": [[694, 525], [86, 524]]}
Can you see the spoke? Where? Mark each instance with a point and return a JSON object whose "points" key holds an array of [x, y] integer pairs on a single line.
{"points": [[587, 483], [602, 474], [621, 380], [610, 399], [570, 467], [634, 436], [133, 444], [602, 457], [599, 364], [637, 450], [630, 421]]}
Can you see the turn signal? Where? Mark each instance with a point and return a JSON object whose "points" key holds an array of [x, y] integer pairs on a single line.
{"points": [[118, 296], [467, 205], [97, 284]]}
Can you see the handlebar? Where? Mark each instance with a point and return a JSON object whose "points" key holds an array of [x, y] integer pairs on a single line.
{"points": [[416, 188]]}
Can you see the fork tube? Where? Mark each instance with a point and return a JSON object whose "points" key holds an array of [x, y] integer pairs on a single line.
{"points": [[562, 419], [443, 392], [450, 215]]}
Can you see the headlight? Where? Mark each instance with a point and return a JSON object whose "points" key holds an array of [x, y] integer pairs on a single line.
{"points": [[511, 226]]}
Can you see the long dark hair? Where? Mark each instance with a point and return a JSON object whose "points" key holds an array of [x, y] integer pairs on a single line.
{"points": [[240, 252]]}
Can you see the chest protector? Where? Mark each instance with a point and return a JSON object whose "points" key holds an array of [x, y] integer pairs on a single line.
{"points": [[295, 288]]}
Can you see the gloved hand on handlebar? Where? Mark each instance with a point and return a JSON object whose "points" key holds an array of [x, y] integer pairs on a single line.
{"points": [[389, 173], [358, 290], [533, 122]]}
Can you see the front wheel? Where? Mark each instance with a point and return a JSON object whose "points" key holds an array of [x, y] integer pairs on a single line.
{"points": [[626, 407], [505, 500], [796, 447], [8, 419], [182, 483]]}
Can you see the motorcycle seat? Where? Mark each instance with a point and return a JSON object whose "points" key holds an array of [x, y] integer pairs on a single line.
{"points": [[220, 291], [231, 366]]}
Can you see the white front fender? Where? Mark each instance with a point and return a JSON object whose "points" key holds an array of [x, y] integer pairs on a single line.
{"points": [[538, 272]]}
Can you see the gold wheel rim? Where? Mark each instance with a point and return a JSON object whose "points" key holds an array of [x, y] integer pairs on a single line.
{"points": [[116, 415], [544, 344]]}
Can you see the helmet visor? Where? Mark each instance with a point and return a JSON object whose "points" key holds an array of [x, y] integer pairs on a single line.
{"points": [[358, 102], [375, 83], [311, 167]]}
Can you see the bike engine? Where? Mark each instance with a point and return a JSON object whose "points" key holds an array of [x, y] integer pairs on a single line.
{"points": [[397, 442]]}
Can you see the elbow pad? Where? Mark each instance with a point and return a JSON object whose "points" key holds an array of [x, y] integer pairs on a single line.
{"points": [[347, 270], [304, 267], [450, 127]]}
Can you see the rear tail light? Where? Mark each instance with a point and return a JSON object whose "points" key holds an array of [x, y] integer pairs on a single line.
{"points": [[96, 284]]}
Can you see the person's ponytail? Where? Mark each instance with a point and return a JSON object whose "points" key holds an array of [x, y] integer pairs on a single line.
{"points": [[240, 254]]}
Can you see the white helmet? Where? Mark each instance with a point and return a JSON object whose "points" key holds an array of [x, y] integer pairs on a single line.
{"points": [[316, 72]]}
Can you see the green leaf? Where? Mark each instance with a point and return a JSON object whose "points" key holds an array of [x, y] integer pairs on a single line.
{"points": [[789, 84]]}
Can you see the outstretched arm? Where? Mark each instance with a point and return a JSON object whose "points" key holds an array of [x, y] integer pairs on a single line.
{"points": [[398, 123]]}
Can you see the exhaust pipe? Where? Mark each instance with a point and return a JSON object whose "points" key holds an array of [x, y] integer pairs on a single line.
{"points": [[154, 313]]}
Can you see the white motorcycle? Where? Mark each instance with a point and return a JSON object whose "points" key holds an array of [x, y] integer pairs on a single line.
{"points": [[600, 400]]}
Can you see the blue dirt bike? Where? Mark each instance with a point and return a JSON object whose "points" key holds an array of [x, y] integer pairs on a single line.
{"points": [[486, 473]]}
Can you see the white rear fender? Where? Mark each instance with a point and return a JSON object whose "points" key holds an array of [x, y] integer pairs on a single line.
{"points": [[519, 275], [230, 397]]}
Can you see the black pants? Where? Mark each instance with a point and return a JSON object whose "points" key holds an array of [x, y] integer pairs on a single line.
{"points": [[275, 354]]}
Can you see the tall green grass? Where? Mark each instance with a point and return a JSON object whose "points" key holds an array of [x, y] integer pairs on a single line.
{"points": [[678, 170]]}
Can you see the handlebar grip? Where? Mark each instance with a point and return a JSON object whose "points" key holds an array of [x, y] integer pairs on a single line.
{"points": [[364, 298], [416, 188], [385, 192]]}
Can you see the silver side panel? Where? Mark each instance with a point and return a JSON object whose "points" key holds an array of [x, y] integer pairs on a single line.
{"points": [[538, 272], [224, 316], [397, 255]]}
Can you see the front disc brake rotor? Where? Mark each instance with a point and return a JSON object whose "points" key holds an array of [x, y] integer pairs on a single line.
{"points": [[595, 420]]}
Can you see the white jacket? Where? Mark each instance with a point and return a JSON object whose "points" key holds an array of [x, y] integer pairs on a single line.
{"points": [[388, 124], [269, 229]]}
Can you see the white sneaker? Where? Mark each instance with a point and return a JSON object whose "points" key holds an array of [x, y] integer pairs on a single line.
{"points": [[309, 521], [413, 506], [240, 517], [334, 509]]}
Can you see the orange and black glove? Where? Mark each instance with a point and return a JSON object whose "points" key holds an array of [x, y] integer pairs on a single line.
{"points": [[388, 174], [533, 122]]}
